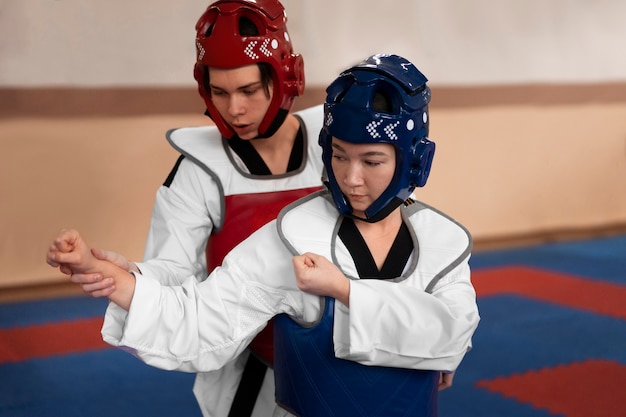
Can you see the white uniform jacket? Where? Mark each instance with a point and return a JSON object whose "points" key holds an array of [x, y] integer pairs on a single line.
{"points": [[425, 320], [188, 210], [191, 205]]}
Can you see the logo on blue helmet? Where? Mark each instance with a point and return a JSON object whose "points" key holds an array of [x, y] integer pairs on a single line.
{"points": [[349, 115]]}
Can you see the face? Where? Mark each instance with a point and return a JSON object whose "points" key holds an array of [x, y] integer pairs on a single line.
{"points": [[363, 171], [239, 96]]}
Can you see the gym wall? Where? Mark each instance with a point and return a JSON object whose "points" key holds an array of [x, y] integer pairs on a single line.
{"points": [[528, 112]]}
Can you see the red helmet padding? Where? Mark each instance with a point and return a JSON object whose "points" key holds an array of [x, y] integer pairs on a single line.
{"points": [[219, 44]]}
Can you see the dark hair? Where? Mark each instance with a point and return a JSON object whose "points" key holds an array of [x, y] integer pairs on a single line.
{"points": [[246, 28]]}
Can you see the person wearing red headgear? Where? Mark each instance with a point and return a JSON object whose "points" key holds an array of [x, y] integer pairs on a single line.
{"points": [[233, 177]]}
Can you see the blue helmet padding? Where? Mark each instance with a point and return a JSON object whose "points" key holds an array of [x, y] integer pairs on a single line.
{"points": [[349, 116]]}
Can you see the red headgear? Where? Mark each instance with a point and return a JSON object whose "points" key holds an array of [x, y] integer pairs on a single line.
{"points": [[219, 44]]}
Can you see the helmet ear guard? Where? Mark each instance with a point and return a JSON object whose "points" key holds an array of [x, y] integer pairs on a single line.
{"points": [[293, 81], [286, 88], [349, 115], [220, 44], [423, 160]]}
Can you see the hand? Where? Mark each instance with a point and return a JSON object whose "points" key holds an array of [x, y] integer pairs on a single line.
{"points": [[104, 255], [95, 285], [317, 275], [445, 380], [116, 259], [69, 252]]}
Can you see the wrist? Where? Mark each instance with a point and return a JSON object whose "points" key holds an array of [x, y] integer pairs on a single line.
{"points": [[343, 293]]}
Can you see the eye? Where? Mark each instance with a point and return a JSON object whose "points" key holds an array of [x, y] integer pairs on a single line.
{"points": [[372, 163], [250, 92]]}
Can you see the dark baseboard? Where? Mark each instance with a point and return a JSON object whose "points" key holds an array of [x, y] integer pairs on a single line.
{"points": [[551, 236], [39, 291], [134, 101]]}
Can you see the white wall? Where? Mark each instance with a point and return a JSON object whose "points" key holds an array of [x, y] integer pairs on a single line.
{"points": [[150, 42]]}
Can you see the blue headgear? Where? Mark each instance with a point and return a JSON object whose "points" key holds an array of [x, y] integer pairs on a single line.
{"points": [[349, 116]]}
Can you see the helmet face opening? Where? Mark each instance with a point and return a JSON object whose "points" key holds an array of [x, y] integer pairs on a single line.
{"points": [[351, 113], [232, 34]]}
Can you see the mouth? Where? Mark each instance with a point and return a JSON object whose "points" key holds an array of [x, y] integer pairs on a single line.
{"points": [[242, 129], [239, 125], [356, 197]]}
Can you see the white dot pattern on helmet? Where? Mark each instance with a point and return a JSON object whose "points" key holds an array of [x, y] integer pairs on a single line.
{"points": [[263, 48], [249, 50], [389, 130], [329, 119], [200, 50], [371, 128]]}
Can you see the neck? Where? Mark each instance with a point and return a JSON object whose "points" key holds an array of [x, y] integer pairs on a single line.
{"points": [[276, 150], [285, 134]]}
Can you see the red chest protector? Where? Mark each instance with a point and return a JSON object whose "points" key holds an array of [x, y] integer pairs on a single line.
{"points": [[246, 213]]}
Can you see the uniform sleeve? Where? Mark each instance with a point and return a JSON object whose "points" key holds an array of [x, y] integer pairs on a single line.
{"points": [[399, 325], [182, 220], [200, 326]]}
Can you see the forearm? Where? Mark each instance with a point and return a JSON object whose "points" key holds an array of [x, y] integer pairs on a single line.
{"points": [[342, 291], [186, 328], [124, 283], [124, 290]]}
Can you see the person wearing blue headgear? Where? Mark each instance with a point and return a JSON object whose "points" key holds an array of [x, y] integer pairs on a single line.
{"points": [[370, 288]]}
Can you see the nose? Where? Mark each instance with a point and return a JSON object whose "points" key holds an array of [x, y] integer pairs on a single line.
{"points": [[236, 105], [353, 176]]}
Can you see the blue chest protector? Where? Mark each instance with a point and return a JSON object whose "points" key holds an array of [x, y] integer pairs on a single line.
{"points": [[312, 382]]}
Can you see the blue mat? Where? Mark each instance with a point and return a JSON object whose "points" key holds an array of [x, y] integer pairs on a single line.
{"points": [[516, 335]]}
